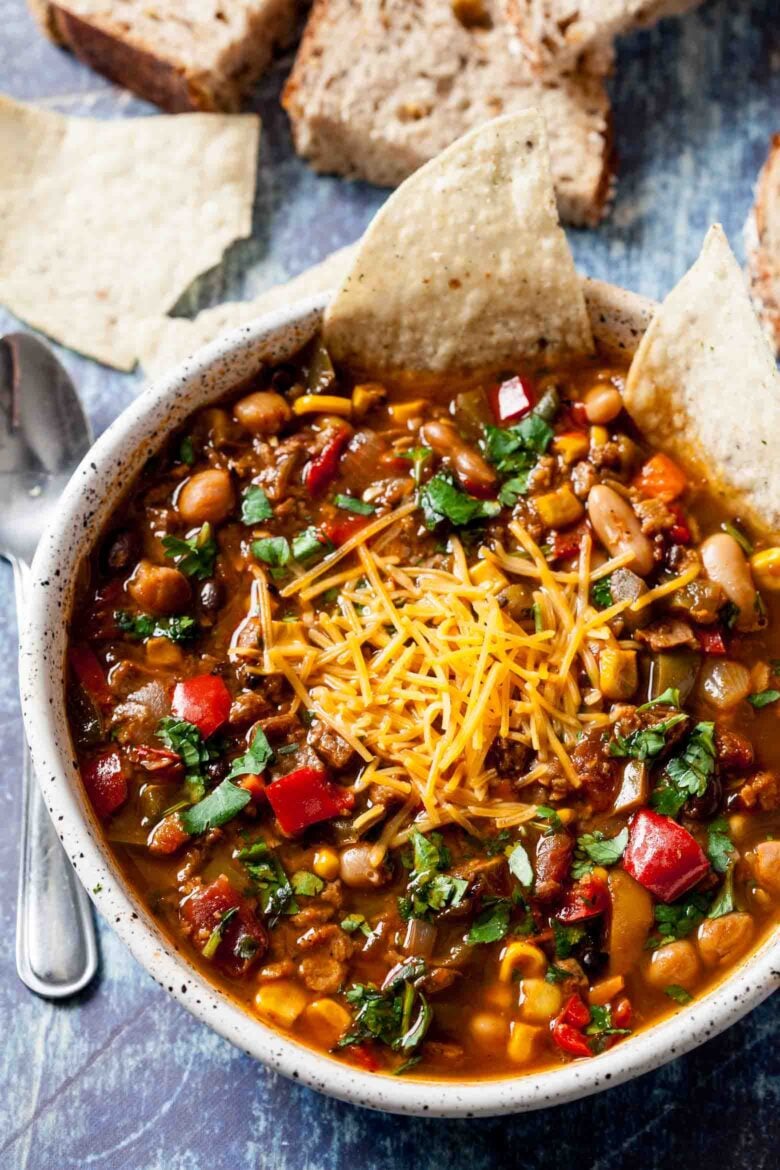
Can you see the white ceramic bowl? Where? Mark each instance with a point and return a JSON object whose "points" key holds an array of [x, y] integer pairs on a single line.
{"points": [[619, 319]]}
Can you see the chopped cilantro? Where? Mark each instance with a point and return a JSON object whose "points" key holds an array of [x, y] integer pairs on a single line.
{"points": [[601, 1026], [668, 698], [143, 626], [720, 848], [308, 885], [418, 457], [309, 544], [601, 593], [442, 500], [398, 1014], [269, 879], [495, 845], [677, 993], [724, 901], [763, 698], [186, 451], [728, 614], [554, 822], [194, 556], [597, 849], [254, 761], [97, 888], [185, 739], [215, 938], [565, 938], [272, 550], [647, 742], [515, 449], [255, 505], [352, 504], [430, 890], [678, 919], [354, 922], [555, 974], [520, 866], [512, 489], [689, 773], [492, 923], [220, 806]]}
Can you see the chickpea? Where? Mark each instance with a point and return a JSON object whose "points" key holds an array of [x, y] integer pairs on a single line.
{"points": [[603, 404], [159, 590], [357, 870], [263, 413], [676, 963], [721, 940], [469, 466], [206, 497], [489, 1030], [766, 866], [726, 565], [617, 527]]}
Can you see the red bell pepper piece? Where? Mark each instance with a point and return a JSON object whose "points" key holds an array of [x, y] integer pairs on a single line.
{"points": [[663, 856], [680, 533], [711, 639], [105, 782], [570, 1040], [586, 899], [254, 786], [575, 1012], [306, 796], [511, 400], [341, 528], [203, 700], [320, 471], [87, 669], [364, 1056], [622, 1012], [243, 939]]}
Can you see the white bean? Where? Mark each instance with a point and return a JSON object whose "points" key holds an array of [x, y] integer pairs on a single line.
{"points": [[617, 526], [726, 565]]}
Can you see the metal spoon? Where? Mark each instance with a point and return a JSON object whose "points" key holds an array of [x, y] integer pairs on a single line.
{"points": [[44, 434]]}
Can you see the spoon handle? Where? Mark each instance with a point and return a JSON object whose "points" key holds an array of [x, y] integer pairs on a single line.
{"points": [[56, 950]]}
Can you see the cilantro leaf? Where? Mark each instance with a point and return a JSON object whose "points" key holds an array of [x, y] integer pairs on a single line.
{"points": [[725, 902], [601, 1027], [215, 938], [442, 500], [554, 822], [308, 544], [272, 550], [255, 505], [388, 1014], [512, 488], [565, 938], [269, 879], [353, 504], [354, 922], [418, 457], [689, 773], [720, 848], [429, 890], [647, 742], [492, 923], [677, 993], [185, 739], [601, 593], [597, 849], [220, 806], [763, 698], [308, 885], [678, 919], [520, 866], [194, 556], [254, 761], [555, 974], [143, 626], [515, 449], [669, 698]]}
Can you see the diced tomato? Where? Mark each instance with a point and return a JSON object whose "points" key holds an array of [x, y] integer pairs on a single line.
{"points": [[567, 544], [254, 786], [711, 639], [663, 856], [165, 764], [570, 1040], [87, 669], [511, 400], [661, 478], [167, 836], [622, 1012], [306, 796], [105, 782], [243, 939], [341, 528], [320, 471], [364, 1056], [586, 899], [203, 700], [680, 533], [575, 1012]]}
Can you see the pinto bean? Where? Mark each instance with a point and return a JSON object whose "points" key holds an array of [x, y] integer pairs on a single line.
{"points": [[159, 590], [675, 963], [358, 872], [603, 404], [617, 527], [721, 940], [263, 413], [471, 469], [726, 565], [206, 497]]}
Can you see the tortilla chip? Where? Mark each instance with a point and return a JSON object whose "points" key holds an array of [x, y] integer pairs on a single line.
{"points": [[465, 267], [105, 223], [703, 385], [164, 341]]}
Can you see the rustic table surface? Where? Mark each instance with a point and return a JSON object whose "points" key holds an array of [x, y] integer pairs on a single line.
{"points": [[123, 1077]]}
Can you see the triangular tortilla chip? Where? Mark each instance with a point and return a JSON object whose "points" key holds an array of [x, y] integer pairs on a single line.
{"points": [[465, 267], [105, 223], [703, 385]]}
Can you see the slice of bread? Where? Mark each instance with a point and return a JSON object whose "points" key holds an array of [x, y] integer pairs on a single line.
{"points": [[379, 87], [763, 245], [558, 33], [180, 54]]}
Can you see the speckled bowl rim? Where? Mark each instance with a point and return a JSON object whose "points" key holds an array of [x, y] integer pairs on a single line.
{"points": [[86, 503]]}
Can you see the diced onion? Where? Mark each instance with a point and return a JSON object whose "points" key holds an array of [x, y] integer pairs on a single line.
{"points": [[420, 938], [724, 683]]}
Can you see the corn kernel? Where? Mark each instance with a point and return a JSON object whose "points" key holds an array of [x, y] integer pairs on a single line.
{"points": [[522, 1042], [599, 873], [484, 572], [499, 996], [326, 864], [560, 508], [281, 1002], [618, 674], [602, 992], [401, 412], [566, 815], [740, 827], [488, 1029], [328, 1020], [365, 396], [523, 957], [766, 568], [163, 652], [540, 1001], [322, 404], [599, 436], [571, 446]]}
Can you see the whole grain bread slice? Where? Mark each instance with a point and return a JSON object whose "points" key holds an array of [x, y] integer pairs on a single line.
{"points": [[763, 245], [379, 87], [180, 54], [557, 34]]}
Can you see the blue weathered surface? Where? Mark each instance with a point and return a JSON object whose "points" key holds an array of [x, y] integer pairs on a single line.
{"points": [[125, 1079]]}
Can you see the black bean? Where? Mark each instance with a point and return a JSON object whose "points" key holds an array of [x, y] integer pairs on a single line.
{"points": [[701, 808], [593, 960], [217, 770], [210, 595], [121, 551]]}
